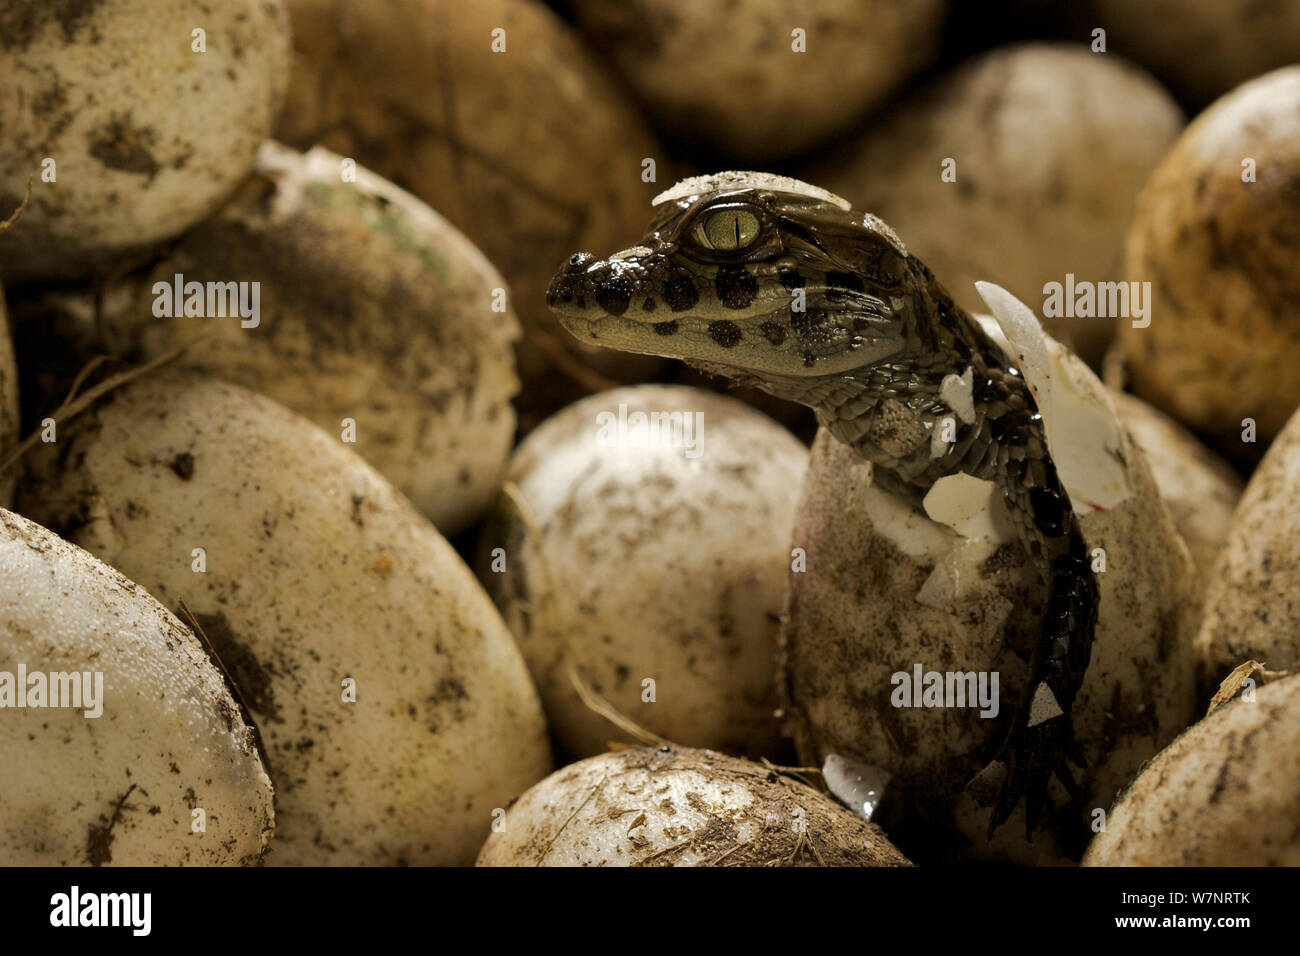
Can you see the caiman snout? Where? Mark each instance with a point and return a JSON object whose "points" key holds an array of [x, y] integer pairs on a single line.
{"points": [[595, 288], [566, 288]]}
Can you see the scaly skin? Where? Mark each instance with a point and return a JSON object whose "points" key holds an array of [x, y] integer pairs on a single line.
{"points": [[779, 285]]}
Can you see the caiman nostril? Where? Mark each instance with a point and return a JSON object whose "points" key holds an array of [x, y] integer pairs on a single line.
{"points": [[565, 285]]}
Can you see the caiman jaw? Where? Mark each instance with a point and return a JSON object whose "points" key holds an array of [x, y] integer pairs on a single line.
{"points": [[641, 300]]}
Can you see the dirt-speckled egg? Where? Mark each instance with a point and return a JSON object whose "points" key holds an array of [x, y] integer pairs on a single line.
{"points": [[1252, 602], [674, 806], [1226, 793], [120, 741], [395, 709], [346, 300], [643, 542], [763, 79], [1215, 233], [133, 119], [1019, 167]]}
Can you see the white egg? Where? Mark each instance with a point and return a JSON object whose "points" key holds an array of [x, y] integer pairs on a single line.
{"points": [[120, 741], [1215, 234], [396, 711], [1252, 602], [787, 77], [675, 806], [1225, 793], [1019, 167], [644, 544], [133, 120]]}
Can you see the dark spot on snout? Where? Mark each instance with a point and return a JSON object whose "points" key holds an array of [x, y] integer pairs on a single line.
{"points": [[725, 333], [648, 305], [665, 328], [736, 288], [614, 296], [679, 293], [775, 334]]}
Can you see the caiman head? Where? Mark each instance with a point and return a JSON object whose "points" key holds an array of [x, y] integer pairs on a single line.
{"points": [[749, 275]]}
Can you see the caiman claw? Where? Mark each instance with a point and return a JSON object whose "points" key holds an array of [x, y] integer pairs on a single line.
{"points": [[1033, 755]]}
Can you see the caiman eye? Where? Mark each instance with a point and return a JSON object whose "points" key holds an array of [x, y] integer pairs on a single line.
{"points": [[727, 229]]}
